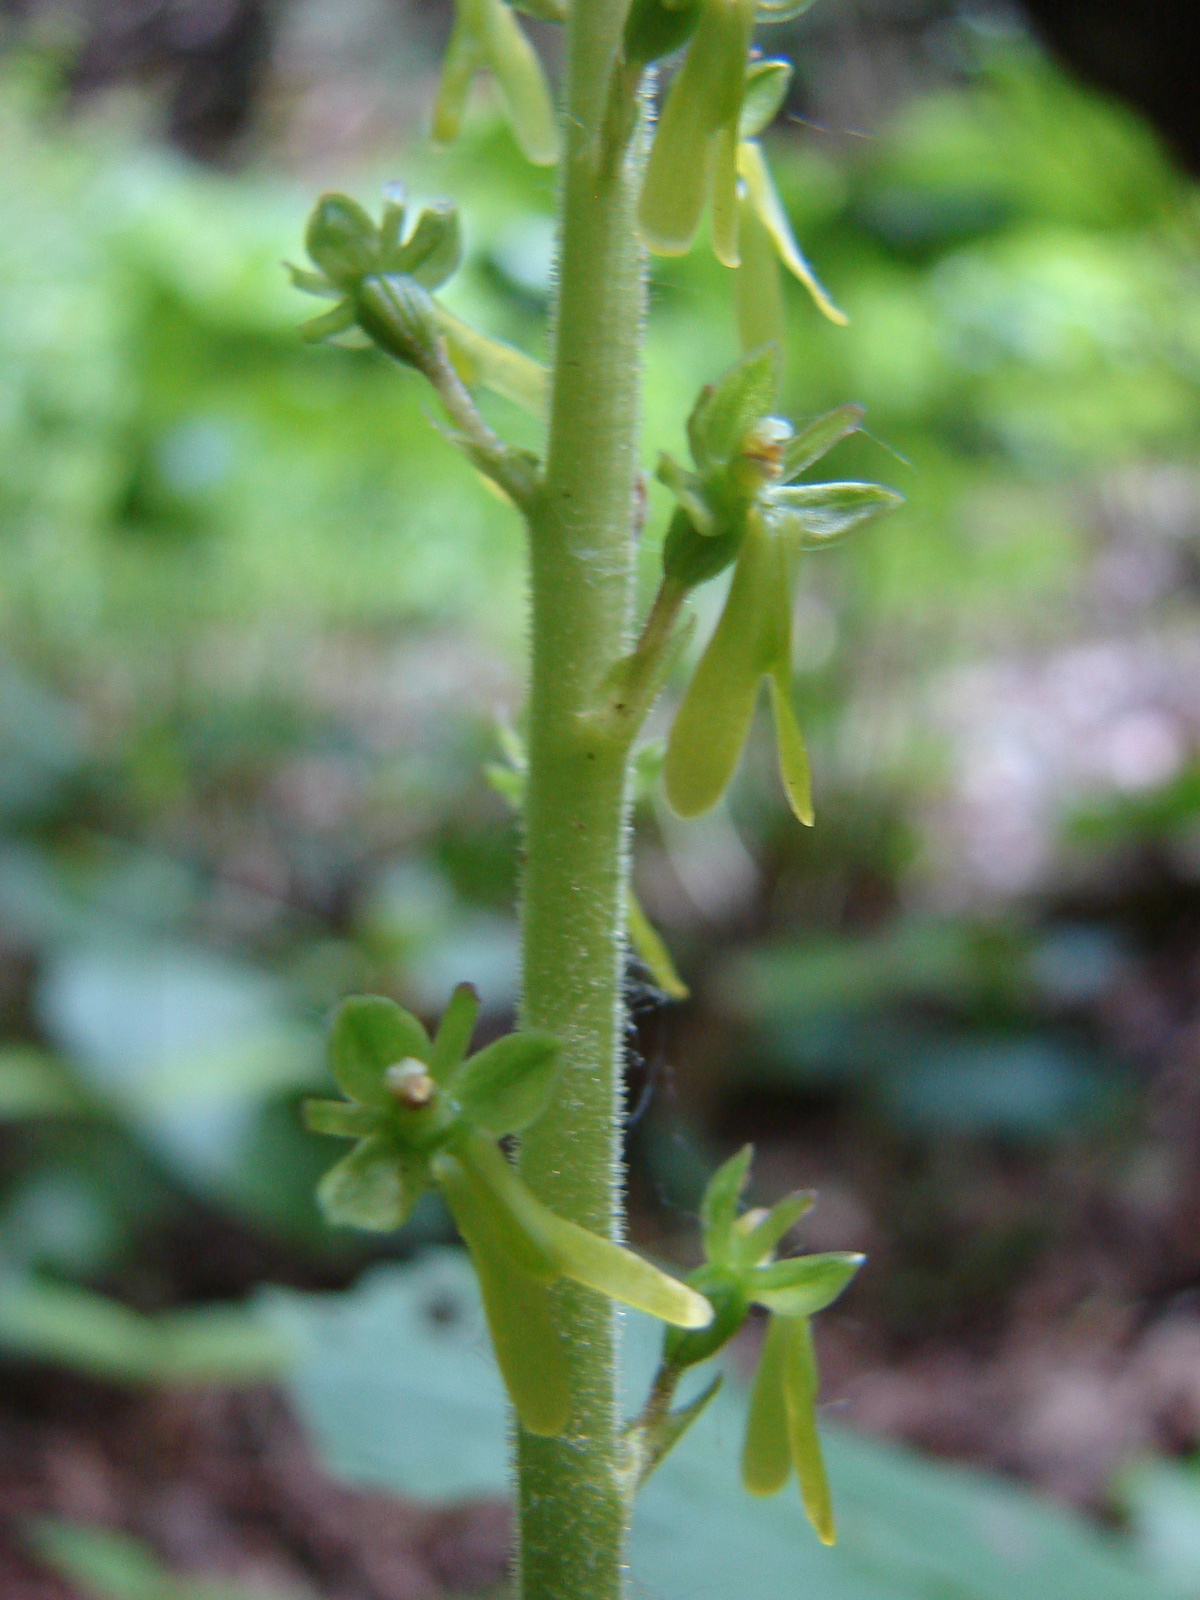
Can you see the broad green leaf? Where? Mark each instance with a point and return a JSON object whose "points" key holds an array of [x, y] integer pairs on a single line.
{"points": [[453, 1037], [369, 1033], [719, 1206], [650, 950], [755, 1242], [760, 191], [804, 1285], [758, 288], [582, 1256], [710, 725], [816, 438], [500, 367], [370, 1188], [461, 61], [341, 240], [724, 216], [766, 1453], [522, 83], [767, 84], [789, 744], [507, 1085], [800, 1399], [338, 1118], [528, 1349], [814, 514], [434, 251], [728, 409]]}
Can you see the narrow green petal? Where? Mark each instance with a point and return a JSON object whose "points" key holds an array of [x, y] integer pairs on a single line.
{"points": [[391, 223], [462, 60], [528, 1349], [725, 197], [816, 438], [767, 84], [757, 289], [507, 1085], [597, 1263], [312, 282], [766, 1456], [453, 1037], [679, 169], [369, 1033], [370, 1188], [434, 251], [338, 1118], [800, 1399], [522, 81], [789, 743], [499, 367], [719, 1205], [803, 1285], [710, 726], [339, 319], [650, 950], [752, 167], [756, 1242]]}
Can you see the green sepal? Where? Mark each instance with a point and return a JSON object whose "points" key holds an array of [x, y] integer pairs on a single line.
{"points": [[337, 1118], [687, 1347], [654, 30], [818, 437], [522, 82], [453, 1037], [433, 251], [528, 1349], [398, 314], [789, 744], [711, 724], [341, 239], [312, 282], [767, 84], [690, 558], [391, 221], [373, 1187], [766, 1450], [719, 1205], [726, 410], [582, 1256], [369, 1033], [756, 1236], [339, 319], [507, 1085], [813, 515], [803, 1285], [800, 1400], [648, 1441], [688, 489], [506, 371], [648, 946], [723, 216]]}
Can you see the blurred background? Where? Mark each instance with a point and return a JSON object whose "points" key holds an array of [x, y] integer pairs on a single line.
{"points": [[257, 628]]}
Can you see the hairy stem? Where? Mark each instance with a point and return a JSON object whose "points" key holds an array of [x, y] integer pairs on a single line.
{"points": [[572, 1506]]}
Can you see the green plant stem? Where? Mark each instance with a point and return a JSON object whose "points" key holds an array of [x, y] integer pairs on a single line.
{"points": [[572, 1506]]}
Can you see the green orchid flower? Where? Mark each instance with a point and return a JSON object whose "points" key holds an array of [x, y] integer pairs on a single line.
{"points": [[740, 1271], [487, 36], [384, 279], [423, 1113], [741, 506]]}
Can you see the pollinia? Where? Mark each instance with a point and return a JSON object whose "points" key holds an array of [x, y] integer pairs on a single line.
{"points": [[522, 1137]]}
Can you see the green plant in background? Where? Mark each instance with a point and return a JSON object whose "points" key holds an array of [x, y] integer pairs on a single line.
{"points": [[543, 1242]]}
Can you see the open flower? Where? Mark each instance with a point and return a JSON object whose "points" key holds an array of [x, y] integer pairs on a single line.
{"points": [[740, 506], [486, 35], [740, 1271], [423, 1113]]}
